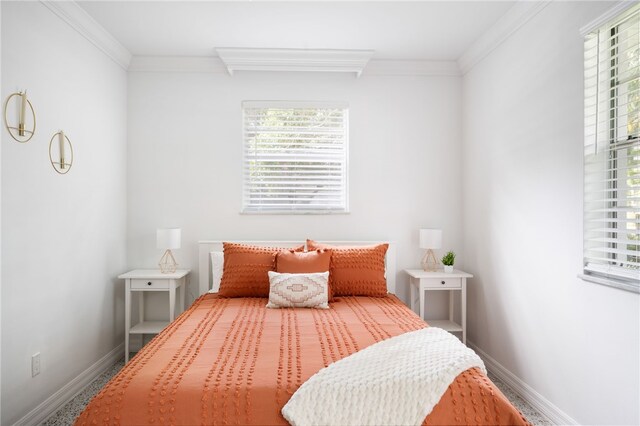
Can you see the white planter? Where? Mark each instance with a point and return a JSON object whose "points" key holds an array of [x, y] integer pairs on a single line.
{"points": [[448, 269]]}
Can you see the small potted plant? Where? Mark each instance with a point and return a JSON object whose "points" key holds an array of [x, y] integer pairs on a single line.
{"points": [[447, 261]]}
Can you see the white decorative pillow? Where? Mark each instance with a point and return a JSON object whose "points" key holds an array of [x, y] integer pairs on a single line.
{"points": [[217, 263], [299, 290]]}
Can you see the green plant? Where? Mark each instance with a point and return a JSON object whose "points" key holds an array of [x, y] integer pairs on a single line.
{"points": [[449, 258]]}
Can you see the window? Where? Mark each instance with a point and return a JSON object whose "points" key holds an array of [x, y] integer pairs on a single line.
{"points": [[612, 153], [295, 157]]}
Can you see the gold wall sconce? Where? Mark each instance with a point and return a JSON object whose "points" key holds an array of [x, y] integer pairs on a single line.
{"points": [[61, 153], [25, 128]]}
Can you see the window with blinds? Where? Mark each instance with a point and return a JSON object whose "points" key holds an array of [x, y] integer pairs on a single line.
{"points": [[612, 153], [295, 157]]}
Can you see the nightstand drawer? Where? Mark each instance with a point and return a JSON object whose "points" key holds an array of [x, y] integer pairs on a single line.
{"points": [[150, 284], [441, 283]]}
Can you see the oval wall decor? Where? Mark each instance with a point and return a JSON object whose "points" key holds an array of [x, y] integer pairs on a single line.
{"points": [[61, 153], [23, 127]]}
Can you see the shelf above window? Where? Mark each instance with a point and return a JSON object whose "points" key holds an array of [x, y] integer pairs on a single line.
{"points": [[288, 60]]}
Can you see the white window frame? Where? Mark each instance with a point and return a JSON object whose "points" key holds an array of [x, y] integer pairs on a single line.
{"points": [[294, 209], [607, 144]]}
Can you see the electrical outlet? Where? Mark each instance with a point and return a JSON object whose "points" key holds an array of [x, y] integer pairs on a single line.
{"points": [[35, 364]]}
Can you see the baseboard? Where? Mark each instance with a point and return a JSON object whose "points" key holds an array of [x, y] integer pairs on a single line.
{"points": [[526, 392], [71, 389]]}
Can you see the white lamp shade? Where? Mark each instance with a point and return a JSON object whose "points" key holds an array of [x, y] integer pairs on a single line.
{"points": [[168, 238], [430, 238]]}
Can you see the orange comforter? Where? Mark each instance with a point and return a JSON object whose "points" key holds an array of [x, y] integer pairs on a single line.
{"points": [[232, 361]]}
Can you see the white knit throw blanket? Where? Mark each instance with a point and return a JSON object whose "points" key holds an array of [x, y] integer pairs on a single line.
{"points": [[394, 382]]}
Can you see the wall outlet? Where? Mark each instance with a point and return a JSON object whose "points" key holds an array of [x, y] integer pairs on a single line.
{"points": [[35, 364]]}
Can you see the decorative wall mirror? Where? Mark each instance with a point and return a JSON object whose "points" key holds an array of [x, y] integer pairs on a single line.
{"points": [[61, 152], [19, 117]]}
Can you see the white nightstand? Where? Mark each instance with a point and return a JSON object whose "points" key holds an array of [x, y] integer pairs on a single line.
{"points": [[422, 281], [142, 280]]}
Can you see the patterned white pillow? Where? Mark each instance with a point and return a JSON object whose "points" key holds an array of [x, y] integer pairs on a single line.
{"points": [[299, 290]]}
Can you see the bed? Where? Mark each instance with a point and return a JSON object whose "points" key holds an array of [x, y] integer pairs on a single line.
{"points": [[233, 361]]}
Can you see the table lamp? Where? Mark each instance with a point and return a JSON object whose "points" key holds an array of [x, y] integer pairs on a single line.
{"points": [[168, 239], [430, 239]]}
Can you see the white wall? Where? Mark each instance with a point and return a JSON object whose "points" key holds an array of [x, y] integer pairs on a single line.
{"points": [[63, 237], [2, 136], [576, 343], [185, 151]]}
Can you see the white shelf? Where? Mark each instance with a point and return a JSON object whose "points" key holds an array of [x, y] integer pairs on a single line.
{"points": [[149, 327], [317, 60], [446, 325], [154, 274], [419, 273]]}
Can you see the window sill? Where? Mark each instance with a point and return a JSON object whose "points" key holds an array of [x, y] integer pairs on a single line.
{"points": [[294, 213], [621, 285]]}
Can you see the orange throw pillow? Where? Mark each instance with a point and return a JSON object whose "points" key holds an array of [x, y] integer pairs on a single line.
{"points": [[356, 270], [245, 270], [298, 262]]}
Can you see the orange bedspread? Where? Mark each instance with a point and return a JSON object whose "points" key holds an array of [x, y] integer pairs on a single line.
{"points": [[232, 361]]}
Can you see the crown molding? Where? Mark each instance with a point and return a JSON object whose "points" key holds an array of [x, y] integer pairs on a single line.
{"points": [[85, 25], [518, 15], [401, 67], [213, 65], [314, 60], [177, 64], [607, 16]]}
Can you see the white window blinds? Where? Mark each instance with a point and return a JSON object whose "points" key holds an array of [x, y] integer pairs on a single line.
{"points": [[295, 157], [612, 153]]}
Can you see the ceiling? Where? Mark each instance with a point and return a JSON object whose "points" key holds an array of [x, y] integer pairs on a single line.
{"points": [[431, 30]]}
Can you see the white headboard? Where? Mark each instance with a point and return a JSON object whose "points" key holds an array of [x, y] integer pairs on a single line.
{"points": [[206, 247]]}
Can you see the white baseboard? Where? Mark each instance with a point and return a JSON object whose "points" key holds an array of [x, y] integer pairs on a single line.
{"points": [[71, 389], [526, 392]]}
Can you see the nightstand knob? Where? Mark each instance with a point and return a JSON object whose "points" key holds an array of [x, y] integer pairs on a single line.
{"points": [[441, 282], [149, 283]]}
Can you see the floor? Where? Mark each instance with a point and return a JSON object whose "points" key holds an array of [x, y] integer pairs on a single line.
{"points": [[67, 414], [527, 410]]}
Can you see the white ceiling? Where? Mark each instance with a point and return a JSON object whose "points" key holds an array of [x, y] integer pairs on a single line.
{"points": [[434, 30]]}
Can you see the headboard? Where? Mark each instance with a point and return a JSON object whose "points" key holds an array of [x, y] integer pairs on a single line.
{"points": [[206, 247]]}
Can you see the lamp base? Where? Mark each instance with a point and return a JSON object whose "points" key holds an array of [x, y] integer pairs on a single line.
{"points": [[429, 262], [168, 264]]}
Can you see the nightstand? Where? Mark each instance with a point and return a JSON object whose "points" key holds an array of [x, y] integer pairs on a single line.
{"points": [[423, 281], [141, 281]]}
